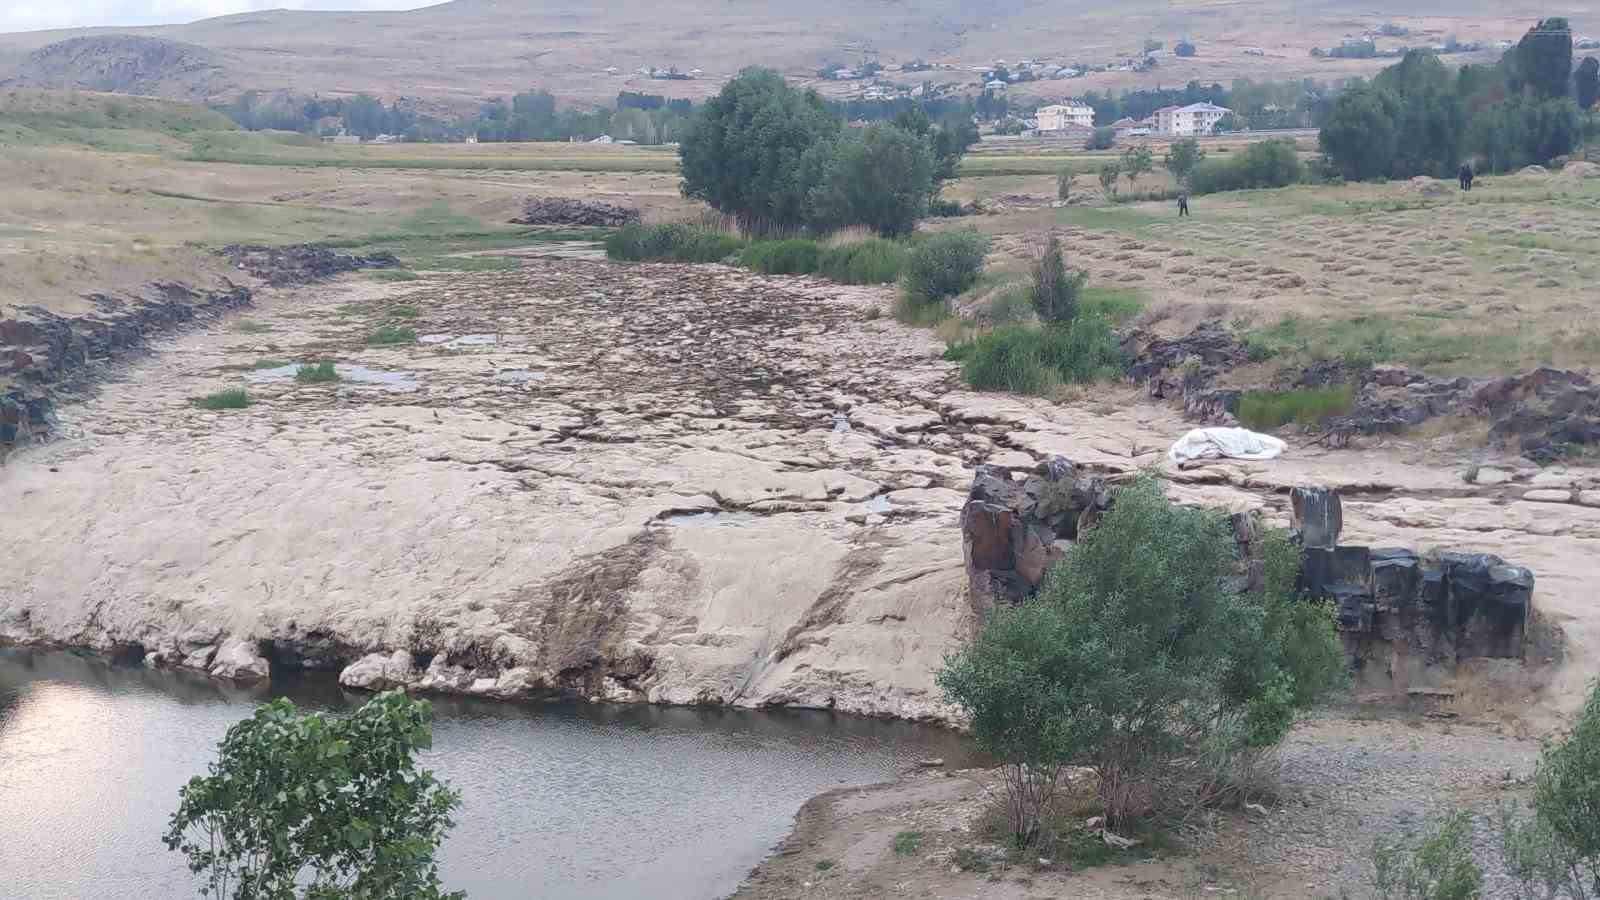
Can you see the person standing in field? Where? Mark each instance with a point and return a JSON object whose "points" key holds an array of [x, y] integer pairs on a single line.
{"points": [[1183, 204], [1466, 176]]}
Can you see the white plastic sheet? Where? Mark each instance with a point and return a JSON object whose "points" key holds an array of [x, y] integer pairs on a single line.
{"points": [[1226, 443]]}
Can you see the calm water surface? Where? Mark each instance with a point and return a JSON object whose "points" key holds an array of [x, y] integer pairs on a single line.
{"points": [[559, 800]]}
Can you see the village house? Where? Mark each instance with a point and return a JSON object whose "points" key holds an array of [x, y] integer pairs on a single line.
{"points": [[1196, 118], [1065, 116]]}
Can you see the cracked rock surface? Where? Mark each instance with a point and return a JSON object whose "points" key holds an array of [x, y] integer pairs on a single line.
{"points": [[643, 483]]}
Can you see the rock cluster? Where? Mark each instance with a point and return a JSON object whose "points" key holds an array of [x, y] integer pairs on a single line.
{"points": [[294, 264], [1547, 411], [1013, 531], [1406, 610], [581, 213]]}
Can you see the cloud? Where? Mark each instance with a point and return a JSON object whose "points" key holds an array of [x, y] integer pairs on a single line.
{"points": [[32, 15]]}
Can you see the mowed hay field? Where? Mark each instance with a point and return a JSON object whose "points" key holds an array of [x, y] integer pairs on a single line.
{"points": [[1477, 283]]}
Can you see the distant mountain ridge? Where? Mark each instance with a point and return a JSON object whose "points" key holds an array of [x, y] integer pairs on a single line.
{"points": [[456, 54]]}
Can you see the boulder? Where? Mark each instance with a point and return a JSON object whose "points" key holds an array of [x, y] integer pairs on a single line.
{"points": [[239, 660], [570, 212], [380, 672]]}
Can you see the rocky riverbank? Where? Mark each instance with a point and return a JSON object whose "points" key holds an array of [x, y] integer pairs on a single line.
{"points": [[646, 483]]}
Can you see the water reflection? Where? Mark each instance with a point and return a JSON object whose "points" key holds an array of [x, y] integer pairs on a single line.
{"points": [[561, 800]]}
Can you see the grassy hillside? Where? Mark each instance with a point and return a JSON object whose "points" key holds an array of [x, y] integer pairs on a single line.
{"points": [[30, 118]]}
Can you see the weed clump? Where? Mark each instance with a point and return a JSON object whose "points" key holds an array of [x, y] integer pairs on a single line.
{"points": [[233, 398], [907, 843], [1040, 361], [874, 261], [672, 242], [405, 312], [389, 334], [316, 373], [1263, 410], [795, 256]]}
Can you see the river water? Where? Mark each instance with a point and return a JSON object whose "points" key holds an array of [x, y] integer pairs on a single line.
{"points": [[560, 800]]}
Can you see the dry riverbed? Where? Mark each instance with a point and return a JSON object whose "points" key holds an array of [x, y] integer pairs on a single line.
{"points": [[696, 485]]}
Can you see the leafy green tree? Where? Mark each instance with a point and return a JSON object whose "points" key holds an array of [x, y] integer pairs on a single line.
{"points": [[1586, 82], [1567, 789], [1360, 137], [1541, 63], [1138, 652], [758, 149], [950, 141], [319, 807], [1064, 183], [1055, 289], [1182, 157], [1108, 178], [1135, 162], [1430, 123], [881, 179]]}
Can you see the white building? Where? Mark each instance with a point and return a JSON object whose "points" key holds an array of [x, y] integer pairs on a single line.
{"points": [[1196, 118], [1064, 116]]}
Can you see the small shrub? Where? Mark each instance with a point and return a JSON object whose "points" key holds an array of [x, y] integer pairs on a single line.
{"points": [[234, 398], [247, 326], [824, 865], [269, 364], [671, 242], [1064, 184], [404, 312], [1103, 138], [1038, 361], [874, 261], [943, 266], [1263, 410], [1055, 290], [389, 334], [1438, 867], [946, 209], [969, 860], [795, 256], [1567, 787], [907, 843], [319, 373]]}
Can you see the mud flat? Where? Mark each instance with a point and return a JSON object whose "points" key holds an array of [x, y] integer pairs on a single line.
{"points": [[680, 485]]}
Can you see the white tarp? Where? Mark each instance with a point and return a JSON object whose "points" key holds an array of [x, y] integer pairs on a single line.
{"points": [[1226, 443]]}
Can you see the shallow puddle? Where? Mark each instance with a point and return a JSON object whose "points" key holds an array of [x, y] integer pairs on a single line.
{"points": [[394, 381]]}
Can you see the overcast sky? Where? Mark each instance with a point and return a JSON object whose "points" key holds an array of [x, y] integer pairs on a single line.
{"points": [[29, 15]]}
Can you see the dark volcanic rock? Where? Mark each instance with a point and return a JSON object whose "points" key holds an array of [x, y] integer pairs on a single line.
{"points": [[1012, 529], [1549, 412], [292, 264], [582, 213]]}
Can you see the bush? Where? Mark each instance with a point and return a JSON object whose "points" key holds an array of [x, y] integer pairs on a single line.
{"points": [[1265, 164], [319, 373], [1103, 138], [1055, 290], [1038, 361], [907, 843], [331, 807], [389, 334], [1264, 410], [1138, 652], [874, 261], [1567, 789], [946, 209], [943, 266], [795, 256], [235, 398], [1438, 867], [671, 242], [1064, 183]]}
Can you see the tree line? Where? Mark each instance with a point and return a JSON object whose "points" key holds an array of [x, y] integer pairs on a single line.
{"points": [[1418, 118]]}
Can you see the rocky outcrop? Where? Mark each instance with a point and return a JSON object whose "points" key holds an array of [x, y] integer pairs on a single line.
{"points": [[124, 64], [287, 265], [1548, 412], [575, 213], [1014, 530], [41, 352]]}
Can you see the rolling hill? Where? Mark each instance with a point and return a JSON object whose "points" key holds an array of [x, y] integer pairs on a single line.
{"points": [[457, 53]]}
